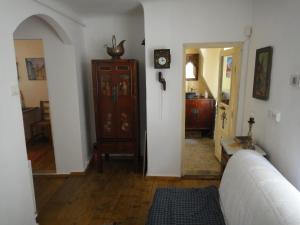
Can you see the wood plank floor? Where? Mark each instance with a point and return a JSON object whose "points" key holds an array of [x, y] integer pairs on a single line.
{"points": [[117, 195], [41, 154]]}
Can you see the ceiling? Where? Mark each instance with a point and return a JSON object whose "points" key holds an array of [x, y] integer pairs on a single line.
{"points": [[95, 7]]}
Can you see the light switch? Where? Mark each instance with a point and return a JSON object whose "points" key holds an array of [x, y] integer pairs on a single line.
{"points": [[14, 90], [274, 115], [277, 117]]}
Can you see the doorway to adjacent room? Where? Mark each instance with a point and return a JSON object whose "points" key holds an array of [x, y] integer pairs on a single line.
{"points": [[36, 108], [211, 79]]}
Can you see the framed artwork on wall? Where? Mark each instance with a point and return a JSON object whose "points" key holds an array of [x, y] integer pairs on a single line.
{"points": [[262, 73], [229, 65], [36, 68]]}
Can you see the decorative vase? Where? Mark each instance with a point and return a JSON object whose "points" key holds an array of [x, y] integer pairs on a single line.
{"points": [[116, 51]]}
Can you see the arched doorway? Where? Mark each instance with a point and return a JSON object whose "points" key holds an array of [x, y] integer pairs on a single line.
{"points": [[36, 107], [63, 88], [41, 42]]}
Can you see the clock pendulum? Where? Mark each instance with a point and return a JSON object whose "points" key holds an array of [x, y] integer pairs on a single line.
{"points": [[162, 80]]}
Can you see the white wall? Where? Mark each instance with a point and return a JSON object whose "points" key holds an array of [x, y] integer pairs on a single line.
{"points": [[276, 23], [211, 61], [170, 25], [33, 91], [98, 32], [16, 206]]}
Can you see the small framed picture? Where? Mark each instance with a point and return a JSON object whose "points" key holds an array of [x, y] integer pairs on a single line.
{"points": [[262, 74], [36, 68]]}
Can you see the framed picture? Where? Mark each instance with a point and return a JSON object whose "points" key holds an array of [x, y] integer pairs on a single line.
{"points": [[36, 68], [229, 65], [262, 74]]}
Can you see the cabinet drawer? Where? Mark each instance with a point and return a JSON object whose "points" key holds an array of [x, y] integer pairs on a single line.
{"points": [[126, 147], [117, 148], [109, 148]]}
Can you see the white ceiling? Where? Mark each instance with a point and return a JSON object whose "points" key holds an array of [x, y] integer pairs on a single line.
{"points": [[95, 7]]}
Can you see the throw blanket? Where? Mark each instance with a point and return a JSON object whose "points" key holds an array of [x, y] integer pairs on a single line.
{"points": [[172, 206]]}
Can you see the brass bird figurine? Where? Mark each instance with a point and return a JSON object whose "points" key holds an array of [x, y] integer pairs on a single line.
{"points": [[116, 51]]}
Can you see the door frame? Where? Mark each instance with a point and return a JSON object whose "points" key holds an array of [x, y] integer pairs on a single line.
{"points": [[237, 44]]}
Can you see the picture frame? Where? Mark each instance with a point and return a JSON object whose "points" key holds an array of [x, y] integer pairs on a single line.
{"points": [[229, 66], [36, 68], [262, 73]]}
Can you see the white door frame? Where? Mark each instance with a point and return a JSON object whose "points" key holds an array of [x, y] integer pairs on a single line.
{"points": [[198, 46]]}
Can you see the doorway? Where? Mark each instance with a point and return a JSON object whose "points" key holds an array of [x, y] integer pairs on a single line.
{"points": [[62, 74], [211, 81], [36, 108]]}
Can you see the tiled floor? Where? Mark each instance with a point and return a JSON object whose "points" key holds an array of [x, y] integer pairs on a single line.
{"points": [[199, 158]]}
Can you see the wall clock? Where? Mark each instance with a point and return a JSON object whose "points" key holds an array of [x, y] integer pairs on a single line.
{"points": [[162, 58]]}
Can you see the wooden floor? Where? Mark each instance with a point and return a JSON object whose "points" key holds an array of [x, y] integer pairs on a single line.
{"points": [[117, 195], [41, 154]]}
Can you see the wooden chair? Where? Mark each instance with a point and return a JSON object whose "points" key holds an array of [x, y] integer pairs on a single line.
{"points": [[43, 126]]}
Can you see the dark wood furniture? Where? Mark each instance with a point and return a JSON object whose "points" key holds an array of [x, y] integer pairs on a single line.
{"points": [[43, 126], [115, 88], [30, 116], [224, 159], [200, 114]]}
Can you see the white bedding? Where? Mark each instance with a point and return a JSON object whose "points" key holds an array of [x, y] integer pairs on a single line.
{"points": [[253, 192]]}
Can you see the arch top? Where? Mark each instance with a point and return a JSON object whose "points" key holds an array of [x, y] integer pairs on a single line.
{"points": [[59, 30]]}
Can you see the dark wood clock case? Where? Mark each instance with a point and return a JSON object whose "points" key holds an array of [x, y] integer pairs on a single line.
{"points": [[115, 88]]}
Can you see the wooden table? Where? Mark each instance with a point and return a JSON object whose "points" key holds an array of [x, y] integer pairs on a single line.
{"points": [[230, 146]]}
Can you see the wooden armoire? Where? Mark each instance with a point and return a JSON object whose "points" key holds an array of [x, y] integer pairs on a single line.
{"points": [[115, 88]]}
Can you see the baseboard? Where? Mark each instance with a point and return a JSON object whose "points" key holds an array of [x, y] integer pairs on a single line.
{"points": [[88, 167], [78, 173], [51, 175], [185, 177], [81, 173], [161, 178], [202, 177]]}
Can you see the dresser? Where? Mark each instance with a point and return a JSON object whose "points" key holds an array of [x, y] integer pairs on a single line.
{"points": [[115, 89], [200, 114]]}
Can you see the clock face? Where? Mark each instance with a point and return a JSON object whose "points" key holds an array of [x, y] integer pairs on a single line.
{"points": [[162, 58], [162, 61]]}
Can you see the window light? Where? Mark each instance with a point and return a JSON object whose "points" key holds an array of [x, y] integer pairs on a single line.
{"points": [[190, 71]]}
